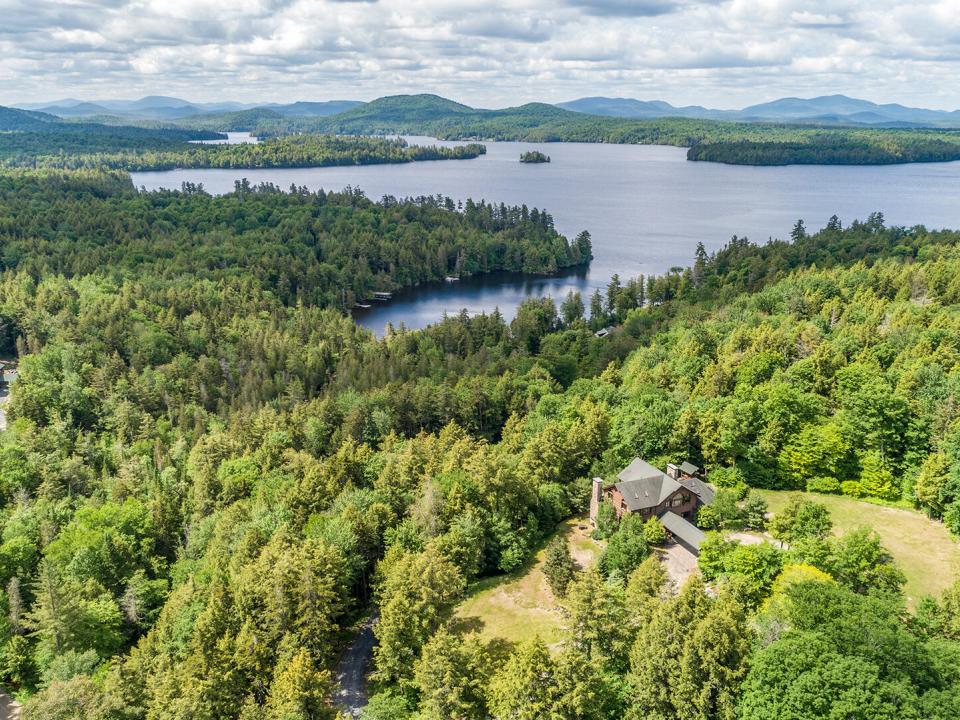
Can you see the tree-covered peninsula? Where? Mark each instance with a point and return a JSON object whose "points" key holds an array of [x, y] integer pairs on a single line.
{"points": [[48, 150]]}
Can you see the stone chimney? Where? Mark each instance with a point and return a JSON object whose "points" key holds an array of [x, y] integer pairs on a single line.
{"points": [[596, 497]]}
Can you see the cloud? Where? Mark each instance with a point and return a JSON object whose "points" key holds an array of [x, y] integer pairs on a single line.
{"points": [[625, 8], [489, 53]]}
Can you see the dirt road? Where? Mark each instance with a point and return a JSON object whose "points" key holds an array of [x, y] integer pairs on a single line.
{"points": [[355, 663], [9, 708]]}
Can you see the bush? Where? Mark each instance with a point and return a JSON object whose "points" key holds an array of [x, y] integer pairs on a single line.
{"points": [[707, 518], [727, 477], [606, 521], [70, 664], [753, 514], [626, 549], [851, 488], [654, 533], [823, 485]]}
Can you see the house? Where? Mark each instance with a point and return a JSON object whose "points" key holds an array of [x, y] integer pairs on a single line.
{"points": [[673, 497]]}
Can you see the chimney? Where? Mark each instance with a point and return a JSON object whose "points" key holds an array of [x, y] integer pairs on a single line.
{"points": [[596, 497]]}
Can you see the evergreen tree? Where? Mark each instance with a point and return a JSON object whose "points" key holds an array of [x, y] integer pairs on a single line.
{"points": [[655, 659], [451, 675], [299, 690], [415, 596], [558, 566], [527, 687]]}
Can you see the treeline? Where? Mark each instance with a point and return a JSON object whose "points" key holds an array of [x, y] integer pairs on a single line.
{"points": [[863, 148], [320, 249], [27, 136], [103, 151]]}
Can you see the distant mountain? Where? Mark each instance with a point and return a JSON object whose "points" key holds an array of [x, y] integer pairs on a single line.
{"points": [[161, 107], [406, 108], [314, 109], [828, 109], [640, 109], [80, 109]]}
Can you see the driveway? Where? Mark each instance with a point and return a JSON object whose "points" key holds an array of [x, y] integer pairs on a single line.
{"points": [[679, 562], [9, 708], [351, 694]]}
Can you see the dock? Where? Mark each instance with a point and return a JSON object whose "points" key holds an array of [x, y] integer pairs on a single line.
{"points": [[451, 279], [383, 296]]}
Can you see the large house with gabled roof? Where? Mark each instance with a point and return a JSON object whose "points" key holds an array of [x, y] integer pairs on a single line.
{"points": [[674, 497]]}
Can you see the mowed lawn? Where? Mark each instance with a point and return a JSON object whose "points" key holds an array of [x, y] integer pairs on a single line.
{"points": [[520, 606], [922, 548]]}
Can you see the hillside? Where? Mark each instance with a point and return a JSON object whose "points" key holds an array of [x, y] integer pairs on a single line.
{"points": [[15, 120]]}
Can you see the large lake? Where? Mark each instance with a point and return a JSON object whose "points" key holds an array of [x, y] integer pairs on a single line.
{"points": [[645, 206]]}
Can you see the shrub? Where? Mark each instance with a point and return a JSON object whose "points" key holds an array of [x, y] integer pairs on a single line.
{"points": [[851, 488], [727, 477], [823, 485], [653, 532]]}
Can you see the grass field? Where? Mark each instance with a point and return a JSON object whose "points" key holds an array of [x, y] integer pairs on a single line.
{"points": [[922, 548], [520, 605]]}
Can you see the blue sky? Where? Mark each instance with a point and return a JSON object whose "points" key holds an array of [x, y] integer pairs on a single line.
{"points": [[485, 53]]}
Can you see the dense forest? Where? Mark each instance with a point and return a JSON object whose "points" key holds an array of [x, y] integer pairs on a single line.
{"points": [[834, 148], [210, 472], [322, 248], [52, 151]]}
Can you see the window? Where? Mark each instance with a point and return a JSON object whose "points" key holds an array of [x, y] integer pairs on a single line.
{"points": [[677, 501]]}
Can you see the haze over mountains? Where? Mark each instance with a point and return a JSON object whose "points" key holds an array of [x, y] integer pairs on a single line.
{"points": [[160, 107], [828, 109], [838, 109]]}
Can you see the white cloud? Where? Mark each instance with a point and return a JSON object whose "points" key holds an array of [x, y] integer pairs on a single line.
{"points": [[491, 53]]}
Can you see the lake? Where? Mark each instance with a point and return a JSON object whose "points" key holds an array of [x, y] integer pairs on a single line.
{"points": [[232, 138], [645, 206]]}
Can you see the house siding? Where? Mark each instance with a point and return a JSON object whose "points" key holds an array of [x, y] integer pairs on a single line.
{"points": [[686, 504]]}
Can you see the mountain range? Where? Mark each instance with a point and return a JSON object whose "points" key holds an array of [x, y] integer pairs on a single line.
{"points": [[160, 107], [826, 109]]}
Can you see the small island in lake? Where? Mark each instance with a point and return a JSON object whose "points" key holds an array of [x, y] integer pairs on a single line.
{"points": [[534, 156]]}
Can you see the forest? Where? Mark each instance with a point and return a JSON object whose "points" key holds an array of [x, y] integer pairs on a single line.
{"points": [[211, 473], [53, 151], [318, 248], [834, 148]]}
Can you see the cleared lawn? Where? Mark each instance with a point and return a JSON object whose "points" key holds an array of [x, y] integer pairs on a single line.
{"points": [[922, 548], [520, 605]]}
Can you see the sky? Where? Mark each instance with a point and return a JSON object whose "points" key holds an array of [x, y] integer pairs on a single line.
{"points": [[486, 53]]}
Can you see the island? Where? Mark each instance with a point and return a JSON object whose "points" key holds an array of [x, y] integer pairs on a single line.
{"points": [[534, 156]]}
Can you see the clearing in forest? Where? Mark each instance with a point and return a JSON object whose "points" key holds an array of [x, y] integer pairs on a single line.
{"points": [[520, 606], [921, 547]]}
